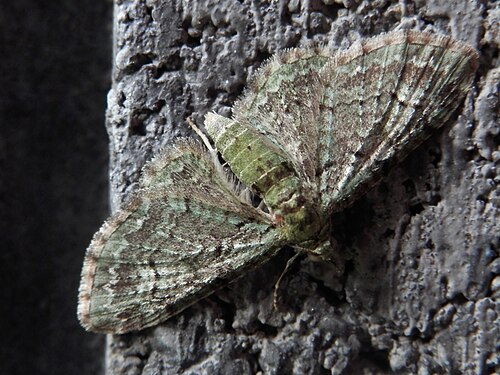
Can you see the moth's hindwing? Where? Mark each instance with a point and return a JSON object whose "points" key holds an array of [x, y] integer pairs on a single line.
{"points": [[282, 103], [171, 245]]}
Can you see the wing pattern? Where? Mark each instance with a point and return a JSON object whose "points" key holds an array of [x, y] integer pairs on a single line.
{"points": [[178, 239], [381, 99], [342, 119]]}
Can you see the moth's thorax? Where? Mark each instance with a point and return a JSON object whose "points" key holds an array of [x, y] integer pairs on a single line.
{"points": [[309, 231], [303, 225]]}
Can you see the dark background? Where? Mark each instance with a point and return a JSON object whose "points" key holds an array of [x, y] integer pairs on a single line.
{"points": [[55, 61]]}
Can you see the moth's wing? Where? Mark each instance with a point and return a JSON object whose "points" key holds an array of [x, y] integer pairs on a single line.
{"points": [[183, 235], [282, 102], [382, 98]]}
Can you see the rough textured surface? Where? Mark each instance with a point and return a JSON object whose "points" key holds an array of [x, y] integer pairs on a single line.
{"points": [[420, 291], [55, 69]]}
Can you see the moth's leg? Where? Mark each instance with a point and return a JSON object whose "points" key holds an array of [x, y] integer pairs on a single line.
{"points": [[289, 264], [262, 206], [330, 254]]}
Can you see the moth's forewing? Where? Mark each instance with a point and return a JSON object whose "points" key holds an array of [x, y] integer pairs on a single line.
{"points": [[382, 98], [176, 241]]}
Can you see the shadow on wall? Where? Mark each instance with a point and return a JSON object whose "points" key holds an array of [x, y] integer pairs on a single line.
{"points": [[53, 178]]}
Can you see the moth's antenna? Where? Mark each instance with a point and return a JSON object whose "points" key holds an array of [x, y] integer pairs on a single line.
{"points": [[289, 263], [202, 136]]}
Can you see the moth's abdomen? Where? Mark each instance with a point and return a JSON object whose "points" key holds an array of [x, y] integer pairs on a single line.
{"points": [[256, 162]]}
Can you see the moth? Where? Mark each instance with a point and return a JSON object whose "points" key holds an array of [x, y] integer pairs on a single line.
{"points": [[313, 131]]}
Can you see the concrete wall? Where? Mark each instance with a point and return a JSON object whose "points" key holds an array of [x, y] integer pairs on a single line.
{"points": [[423, 244]]}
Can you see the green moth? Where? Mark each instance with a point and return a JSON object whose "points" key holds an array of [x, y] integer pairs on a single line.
{"points": [[313, 132]]}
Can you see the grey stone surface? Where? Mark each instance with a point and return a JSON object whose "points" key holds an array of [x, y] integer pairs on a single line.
{"points": [[54, 75], [420, 290]]}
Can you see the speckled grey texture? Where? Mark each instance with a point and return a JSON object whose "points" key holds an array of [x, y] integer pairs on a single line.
{"points": [[419, 294]]}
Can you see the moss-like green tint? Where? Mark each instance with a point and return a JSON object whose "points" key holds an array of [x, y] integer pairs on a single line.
{"points": [[289, 72], [260, 165]]}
